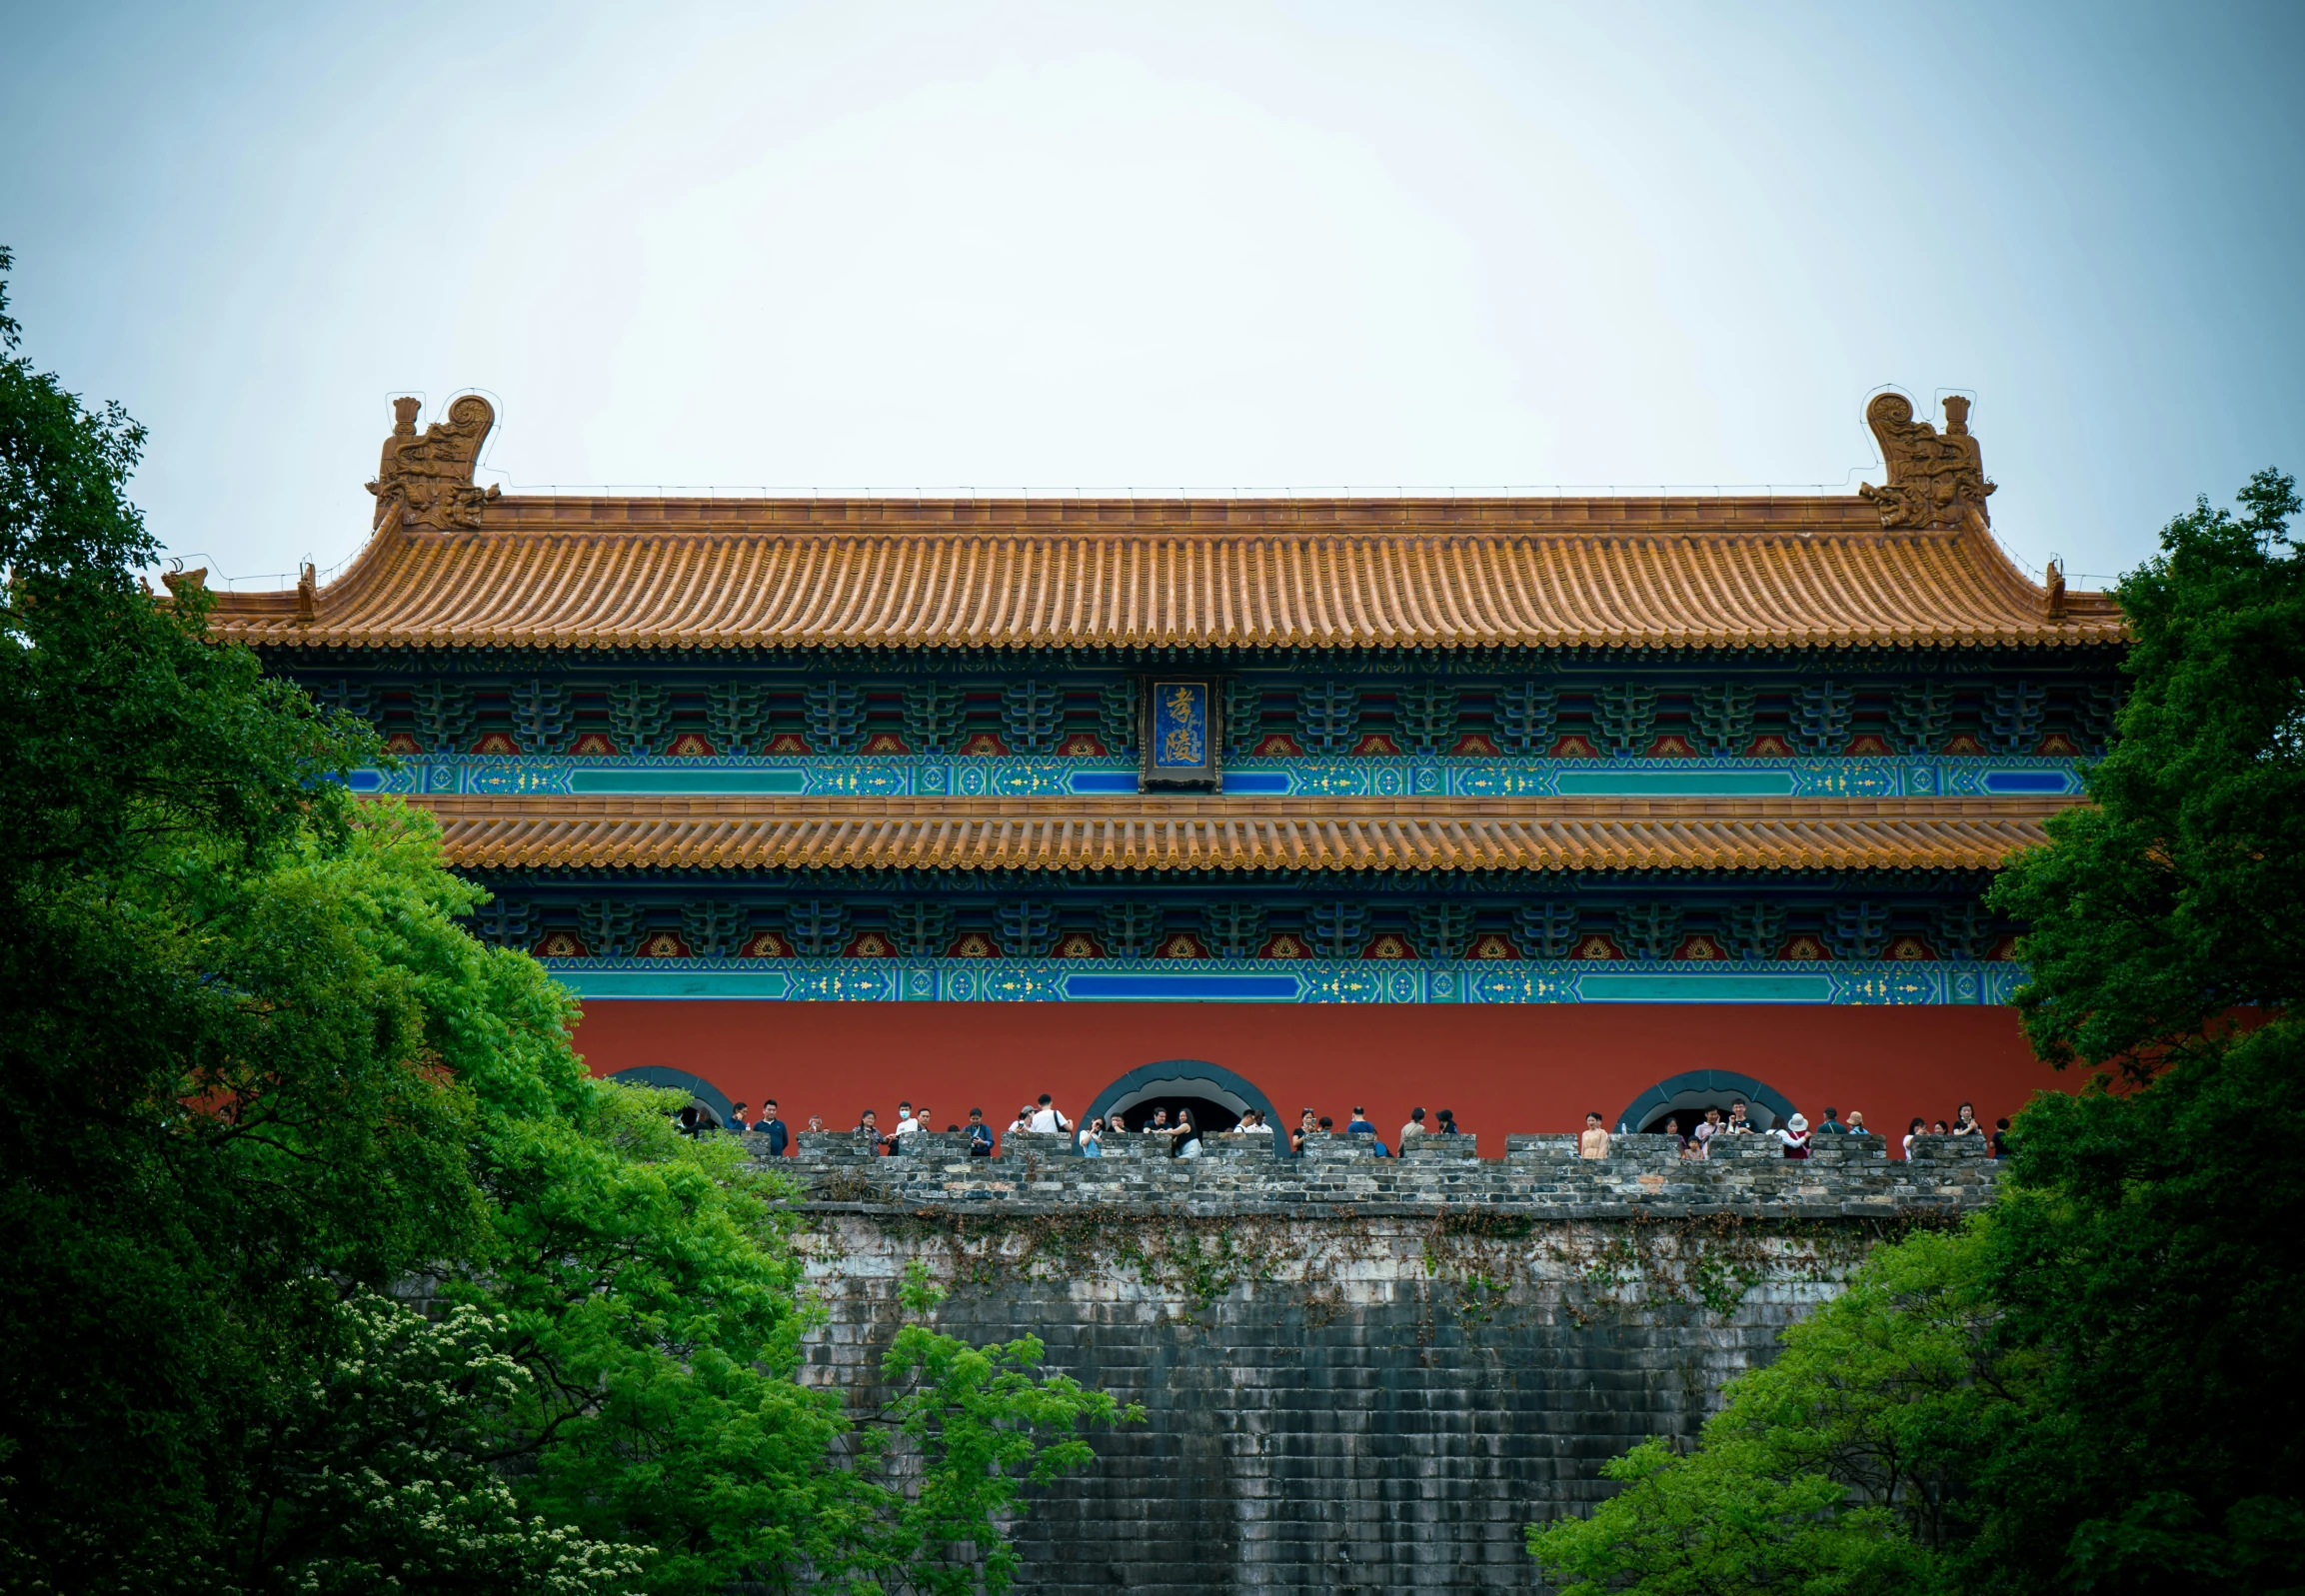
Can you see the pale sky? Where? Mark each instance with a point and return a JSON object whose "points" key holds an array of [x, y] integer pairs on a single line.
{"points": [[1228, 248]]}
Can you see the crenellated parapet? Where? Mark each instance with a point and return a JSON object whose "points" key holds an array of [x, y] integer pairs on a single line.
{"points": [[1845, 1177]]}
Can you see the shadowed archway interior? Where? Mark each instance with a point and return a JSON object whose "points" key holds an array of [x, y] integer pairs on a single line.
{"points": [[1175, 1082], [706, 1095], [1689, 1095]]}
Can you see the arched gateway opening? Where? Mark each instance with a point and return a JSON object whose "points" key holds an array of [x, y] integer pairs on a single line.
{"points": [[1216, 1097], [1687, 1096], [702, 1093]]}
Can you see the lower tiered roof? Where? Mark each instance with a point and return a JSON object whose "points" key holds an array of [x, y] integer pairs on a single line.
{"points": [[1236, 834]]}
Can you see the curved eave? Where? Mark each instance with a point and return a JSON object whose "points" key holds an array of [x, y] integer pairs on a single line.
{"points": [[1722, 574]]}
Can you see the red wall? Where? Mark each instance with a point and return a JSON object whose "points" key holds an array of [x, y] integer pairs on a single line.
{"points": [[1523, 1068]]}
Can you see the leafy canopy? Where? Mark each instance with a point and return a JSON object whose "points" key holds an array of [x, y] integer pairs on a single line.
{"points": [[1835, 1471], [2094, 1387], [2173, 897], [255, 1078]]}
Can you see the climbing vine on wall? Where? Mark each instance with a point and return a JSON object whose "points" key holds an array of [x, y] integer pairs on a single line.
{"points": [[1483, 1265]]}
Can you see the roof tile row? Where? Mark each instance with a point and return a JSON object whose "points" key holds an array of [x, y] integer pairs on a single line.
{"points": [[756, 834], [548, 574]]}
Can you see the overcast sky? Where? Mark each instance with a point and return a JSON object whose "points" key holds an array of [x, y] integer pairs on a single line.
{"points": [[1234, 246]]}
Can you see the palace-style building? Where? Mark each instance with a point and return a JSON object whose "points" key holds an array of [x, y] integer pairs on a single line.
{"points": [[1519, 806]]}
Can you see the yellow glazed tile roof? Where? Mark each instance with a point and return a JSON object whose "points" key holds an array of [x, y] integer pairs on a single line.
{"points": [[570, 572], [1163, 834]]}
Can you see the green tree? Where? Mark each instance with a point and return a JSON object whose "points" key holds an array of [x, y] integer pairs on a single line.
{"points": [[1837, 1469], [2173, 896], [2094, 1388], [2147, 1248], [212, 1099], [254, 1077]]}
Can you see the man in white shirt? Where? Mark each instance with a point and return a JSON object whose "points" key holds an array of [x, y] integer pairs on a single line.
{"points": [[1046, 1121], [907, 1124], [1414, 1128]]}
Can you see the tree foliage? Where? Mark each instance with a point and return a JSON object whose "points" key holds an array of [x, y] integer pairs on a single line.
{"points": [[255, 1078], [1835, 1471], [2094, 1388], [2173, 897], [2146, 1249]]}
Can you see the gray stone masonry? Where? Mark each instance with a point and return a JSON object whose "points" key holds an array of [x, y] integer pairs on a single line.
{"points": [[1846, 1176], [1358, 1373]]}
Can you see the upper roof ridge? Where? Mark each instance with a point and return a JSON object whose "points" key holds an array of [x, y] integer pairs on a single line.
{"points": [[1912, 562]]}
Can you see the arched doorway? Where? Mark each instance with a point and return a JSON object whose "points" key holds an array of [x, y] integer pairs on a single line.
{"points": [[702, 1093], [1688, 1095], [1216, 1097]]}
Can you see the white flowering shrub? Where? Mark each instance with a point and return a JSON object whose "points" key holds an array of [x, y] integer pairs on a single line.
{"points": [[389, 1478]]}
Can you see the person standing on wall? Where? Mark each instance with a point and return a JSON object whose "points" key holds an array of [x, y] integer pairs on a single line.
{"points": [[1594, 1142], [769, 1125], [1046, 1121], [907, 1124]]}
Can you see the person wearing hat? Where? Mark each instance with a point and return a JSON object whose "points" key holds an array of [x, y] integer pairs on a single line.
{"points": [[1796, 1136]]}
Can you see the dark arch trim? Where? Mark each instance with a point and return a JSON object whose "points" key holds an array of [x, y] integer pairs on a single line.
{"points": [[1663, 1093], [1187, 1069], [679, 1080]]}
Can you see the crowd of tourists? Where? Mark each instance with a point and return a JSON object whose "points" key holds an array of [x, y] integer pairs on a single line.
{"points": [[1796, 1135], [1185, 1138]]}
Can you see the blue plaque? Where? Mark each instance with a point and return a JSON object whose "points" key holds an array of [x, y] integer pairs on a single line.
{"points": [[1182, 743], [1181, 726]]}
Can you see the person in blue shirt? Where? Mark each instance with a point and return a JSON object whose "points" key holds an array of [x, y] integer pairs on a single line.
{"points": [[770, 1126], [979, 1134], [1359, 1126]]}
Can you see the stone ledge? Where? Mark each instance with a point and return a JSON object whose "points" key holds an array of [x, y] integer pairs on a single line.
{"points": [[1749, 1177]]}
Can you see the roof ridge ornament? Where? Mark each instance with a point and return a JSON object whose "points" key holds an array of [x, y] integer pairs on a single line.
{"points": [[1935, 481], [427, 481]]}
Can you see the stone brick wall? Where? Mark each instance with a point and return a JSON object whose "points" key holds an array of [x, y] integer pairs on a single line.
{"points": [[1358, 1373]]}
